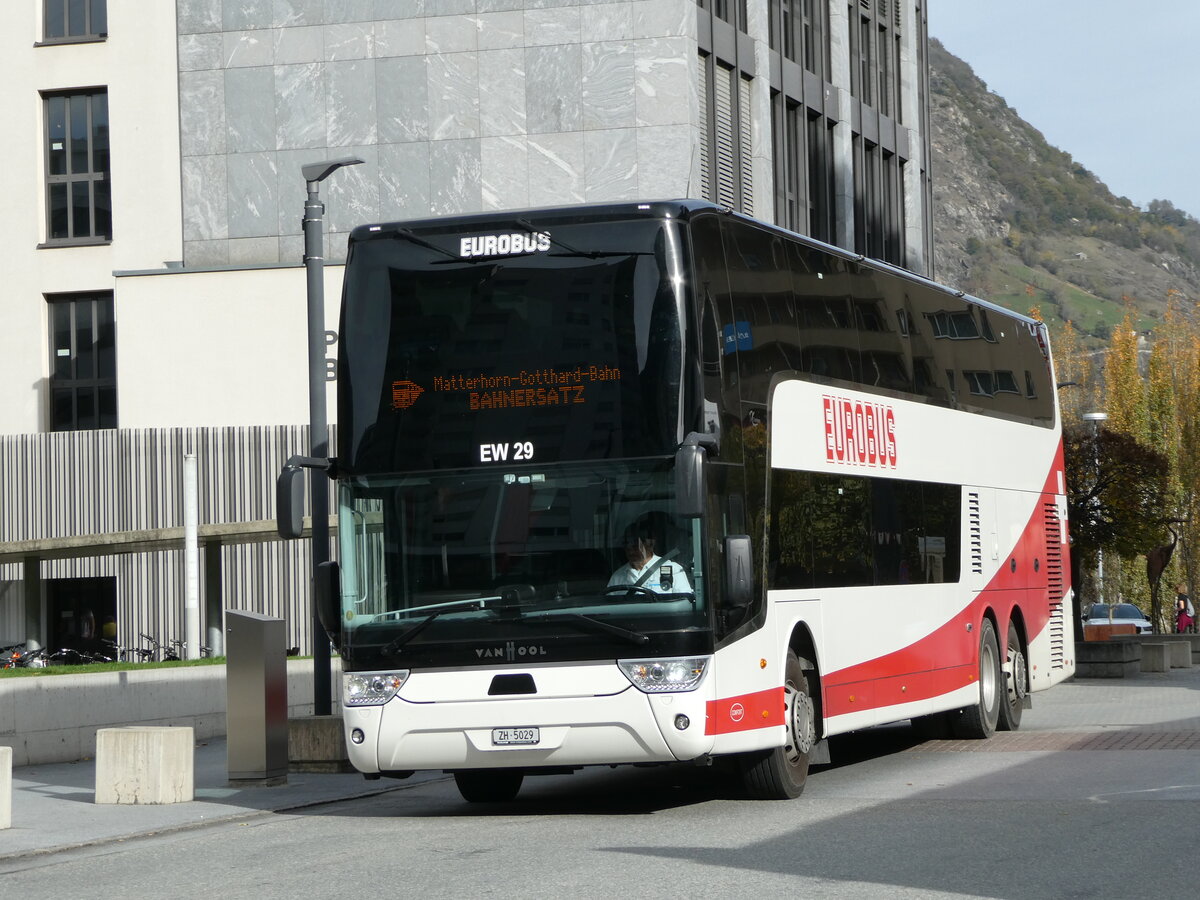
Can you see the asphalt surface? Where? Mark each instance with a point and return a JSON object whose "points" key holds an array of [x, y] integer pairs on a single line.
{"points": [[54, 808]]}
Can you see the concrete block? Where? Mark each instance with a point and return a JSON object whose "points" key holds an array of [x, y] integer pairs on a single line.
{"points": [[145, 765], [1107, 659], [317, 744], [1155, 657], [5, 787], [1181, 654]]}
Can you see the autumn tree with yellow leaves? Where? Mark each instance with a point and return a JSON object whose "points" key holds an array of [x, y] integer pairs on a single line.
{"points": [[1134, 482]]}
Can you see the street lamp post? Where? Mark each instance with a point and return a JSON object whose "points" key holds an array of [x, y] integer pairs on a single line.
{"points": [[1096, 418], [318, 429]]}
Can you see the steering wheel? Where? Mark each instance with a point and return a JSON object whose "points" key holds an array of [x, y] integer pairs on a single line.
{"points": [[631, 591]]}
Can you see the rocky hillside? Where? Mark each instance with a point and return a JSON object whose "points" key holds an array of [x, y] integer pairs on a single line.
{"points": [[1021, 223]]}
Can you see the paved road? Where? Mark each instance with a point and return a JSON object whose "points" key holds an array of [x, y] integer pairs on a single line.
{"points": [[1088, 800]]}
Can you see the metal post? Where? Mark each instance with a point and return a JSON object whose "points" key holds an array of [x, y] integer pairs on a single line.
{"points": [[314, 264], [191, 559], [37, 632]]}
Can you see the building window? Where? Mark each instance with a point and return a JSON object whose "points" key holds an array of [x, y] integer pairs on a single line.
{"points": [[796, 29], [732, 11], [822, 223], [78, 190], [68, 20], [83, 362]]}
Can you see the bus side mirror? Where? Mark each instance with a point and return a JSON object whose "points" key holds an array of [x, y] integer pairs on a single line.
{"points": [[739, 571], [289, 502], [689, 474], [289, 493], [327, 591], [689, 481]]}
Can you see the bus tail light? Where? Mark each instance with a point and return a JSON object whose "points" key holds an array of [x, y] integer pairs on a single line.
{"points": [[660, 676], [371, 688]]}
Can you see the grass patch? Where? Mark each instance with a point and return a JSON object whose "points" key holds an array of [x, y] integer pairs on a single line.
{"points": [[110, 667]]}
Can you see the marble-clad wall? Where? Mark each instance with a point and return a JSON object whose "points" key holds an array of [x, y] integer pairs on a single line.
{"points": [[454, 105]]}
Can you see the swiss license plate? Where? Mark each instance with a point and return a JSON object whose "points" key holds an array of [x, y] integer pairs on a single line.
{"points": [[507, 737]]}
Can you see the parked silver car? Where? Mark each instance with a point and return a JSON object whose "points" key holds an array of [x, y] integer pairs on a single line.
{"points": [[1121, 614]]}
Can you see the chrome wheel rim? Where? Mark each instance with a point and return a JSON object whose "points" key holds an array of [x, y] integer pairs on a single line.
{"points": [[801, 724]]}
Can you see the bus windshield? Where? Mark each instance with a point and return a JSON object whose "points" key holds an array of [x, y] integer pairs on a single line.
{"points": [[519, 563]]}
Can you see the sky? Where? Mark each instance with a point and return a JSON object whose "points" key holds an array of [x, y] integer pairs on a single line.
{"points": [[1115, 84]]}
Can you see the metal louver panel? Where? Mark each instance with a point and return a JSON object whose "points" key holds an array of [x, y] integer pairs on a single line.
{"points": [[744, 148], [975, 533], [705, 160], [80, 483], [1055, 586], [726, 138]]}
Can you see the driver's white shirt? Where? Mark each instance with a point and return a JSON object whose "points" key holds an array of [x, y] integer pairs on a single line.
{"points": [[629, 574]]}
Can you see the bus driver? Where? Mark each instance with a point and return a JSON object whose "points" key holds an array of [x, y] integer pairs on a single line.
{"points": [[645, 568]]}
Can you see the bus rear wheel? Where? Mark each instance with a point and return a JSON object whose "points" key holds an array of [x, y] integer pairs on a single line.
{"points": [[979, 721], [780, 773], [1016, 683], [489, 785]]}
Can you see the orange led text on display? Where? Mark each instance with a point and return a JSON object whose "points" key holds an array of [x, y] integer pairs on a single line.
{"points": [[529, 387]]}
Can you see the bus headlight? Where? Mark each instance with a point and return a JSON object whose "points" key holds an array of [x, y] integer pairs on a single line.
{"points": [[660, 676], [371, 688]]}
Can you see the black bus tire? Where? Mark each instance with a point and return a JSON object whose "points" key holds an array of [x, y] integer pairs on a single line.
{"points": [[978, 722], [780, 773], [1015, 683]]}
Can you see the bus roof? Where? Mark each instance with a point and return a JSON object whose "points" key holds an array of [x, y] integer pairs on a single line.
{"points": [[659, 209]]}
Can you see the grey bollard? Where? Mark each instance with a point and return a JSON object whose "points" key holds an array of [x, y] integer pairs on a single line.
{"points": [[256, 721], [5, 787]]}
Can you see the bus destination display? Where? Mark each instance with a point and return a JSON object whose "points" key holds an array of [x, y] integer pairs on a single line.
{"points": [[546, 386]]}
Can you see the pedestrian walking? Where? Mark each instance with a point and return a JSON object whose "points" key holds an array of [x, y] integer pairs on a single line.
{"points": [[1185, 613]]}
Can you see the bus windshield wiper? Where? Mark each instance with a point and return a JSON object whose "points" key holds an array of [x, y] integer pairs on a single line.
{"points": [[439, 609], [587, 622], [405, 637]]}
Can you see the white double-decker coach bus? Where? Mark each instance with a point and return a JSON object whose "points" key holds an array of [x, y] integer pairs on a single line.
{"points": [[656, 482]]}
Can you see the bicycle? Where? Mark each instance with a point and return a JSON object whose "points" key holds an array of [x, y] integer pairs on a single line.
{"points": [[158, 651], [17, 657], [179, 650]]}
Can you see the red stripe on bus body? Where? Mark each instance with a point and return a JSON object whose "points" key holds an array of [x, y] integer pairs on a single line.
{"points": [[894, 690], [945, 660], [762, 709]]}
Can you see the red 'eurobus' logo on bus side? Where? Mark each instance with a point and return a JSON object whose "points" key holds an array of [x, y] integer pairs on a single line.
{"points": [[859, 433]]}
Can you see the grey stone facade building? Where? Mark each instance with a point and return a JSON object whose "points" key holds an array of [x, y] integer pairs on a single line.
{"points": [[808, 114], [154, 297]]}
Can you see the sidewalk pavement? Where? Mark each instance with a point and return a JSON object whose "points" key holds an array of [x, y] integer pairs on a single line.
{"points": [[53, 805]]}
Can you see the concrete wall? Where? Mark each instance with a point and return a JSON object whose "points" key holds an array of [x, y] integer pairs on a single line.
{"points": [[219, 348], [55, 718], [137, 64]]}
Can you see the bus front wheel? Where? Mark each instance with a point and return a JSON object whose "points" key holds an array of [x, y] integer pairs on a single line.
{"points": [[489, 785], [780, 773]]}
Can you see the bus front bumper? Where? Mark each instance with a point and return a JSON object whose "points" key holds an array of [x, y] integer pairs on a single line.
{"points": [[626, 727]]}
